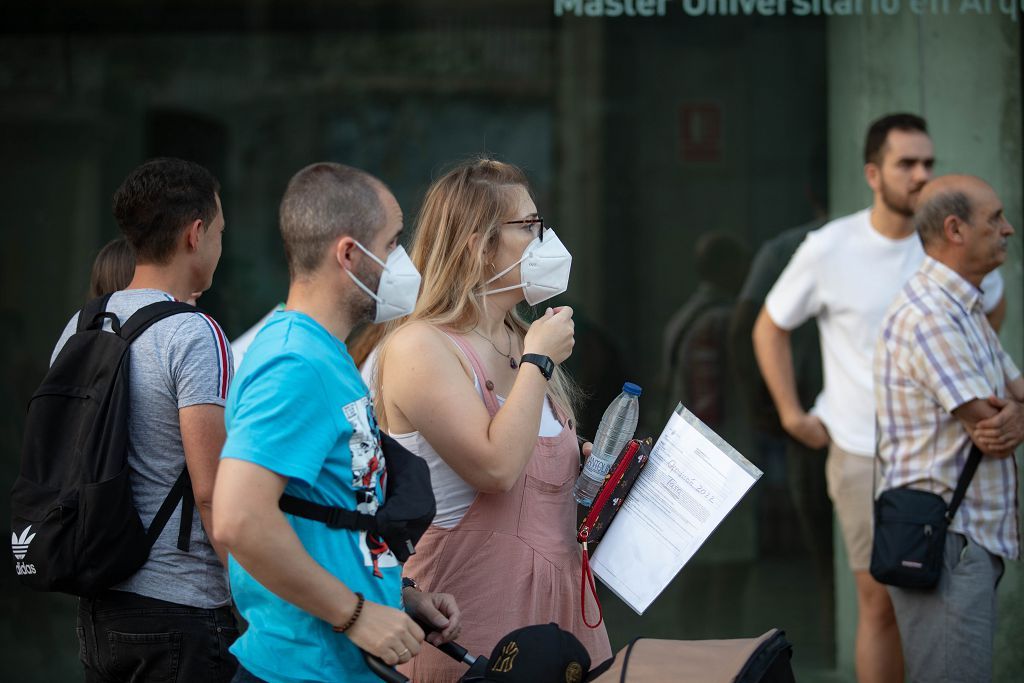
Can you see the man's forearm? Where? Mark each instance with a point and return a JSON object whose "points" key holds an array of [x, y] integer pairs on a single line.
{"points": [[995, 425], [1016, 389], [206, 518], [267, 547], [774, 354], [973, 412]]}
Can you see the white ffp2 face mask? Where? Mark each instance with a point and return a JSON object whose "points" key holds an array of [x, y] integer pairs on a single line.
{"points": [[543, 270], [398, 287]]}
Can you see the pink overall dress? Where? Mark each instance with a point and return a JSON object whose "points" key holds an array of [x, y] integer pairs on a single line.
{"points": [[513, 559]]}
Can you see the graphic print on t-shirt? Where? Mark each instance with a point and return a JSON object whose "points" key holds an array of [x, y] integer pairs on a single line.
{"points": [[368, 467]]}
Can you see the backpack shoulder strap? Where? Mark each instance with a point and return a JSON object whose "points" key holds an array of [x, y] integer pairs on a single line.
{"points": [[138, 323], [88, 314], [181, 491], [147, 315]]}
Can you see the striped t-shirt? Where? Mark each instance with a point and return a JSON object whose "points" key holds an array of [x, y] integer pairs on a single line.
{"points": [[180, 361]]}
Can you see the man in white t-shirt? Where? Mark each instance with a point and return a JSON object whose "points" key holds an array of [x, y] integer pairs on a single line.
{"points": [[845, 274]]}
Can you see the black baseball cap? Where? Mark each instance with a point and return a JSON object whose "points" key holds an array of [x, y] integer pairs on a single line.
{"points": [[534, 654]]}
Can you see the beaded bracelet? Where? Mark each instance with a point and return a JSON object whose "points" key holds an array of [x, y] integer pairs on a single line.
{"points": [[355, 615]]}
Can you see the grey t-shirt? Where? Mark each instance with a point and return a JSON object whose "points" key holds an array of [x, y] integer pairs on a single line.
{"points": [[180, 361]]}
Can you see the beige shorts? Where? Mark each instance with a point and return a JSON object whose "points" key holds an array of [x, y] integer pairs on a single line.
{"points": [[850, 481]]}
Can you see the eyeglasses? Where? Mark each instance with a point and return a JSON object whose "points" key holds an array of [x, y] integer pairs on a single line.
{"points": [[536, 225]]}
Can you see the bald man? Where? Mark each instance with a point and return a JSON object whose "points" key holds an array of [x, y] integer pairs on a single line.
{"points": [[942, 381]]}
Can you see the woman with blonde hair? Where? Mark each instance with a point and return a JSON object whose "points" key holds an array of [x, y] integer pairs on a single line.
{"points": [[468, 385]]}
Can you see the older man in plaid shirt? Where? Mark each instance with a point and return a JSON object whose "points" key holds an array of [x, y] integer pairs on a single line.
{"points": [[942, 380]]}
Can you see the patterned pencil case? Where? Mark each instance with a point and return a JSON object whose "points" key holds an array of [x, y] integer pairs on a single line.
{"points": [[608, 501]]}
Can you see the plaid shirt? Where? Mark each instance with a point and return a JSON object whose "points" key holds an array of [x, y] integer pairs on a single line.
{"points": [[936, 352]]}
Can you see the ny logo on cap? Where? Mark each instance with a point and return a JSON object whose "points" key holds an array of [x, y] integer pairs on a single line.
{"points": [[508, 655]]}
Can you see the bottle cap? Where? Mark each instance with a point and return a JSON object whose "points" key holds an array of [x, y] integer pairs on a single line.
{"points": [[632, 389]]}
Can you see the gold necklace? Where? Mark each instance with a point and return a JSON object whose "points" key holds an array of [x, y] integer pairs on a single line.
{"points": [[512, 362]]}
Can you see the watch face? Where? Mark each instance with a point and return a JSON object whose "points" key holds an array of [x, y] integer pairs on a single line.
{"points": [[545, 364]]}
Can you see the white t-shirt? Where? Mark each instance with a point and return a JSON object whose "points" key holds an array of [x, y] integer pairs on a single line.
{"points": [[369, 367], [846, 274]]}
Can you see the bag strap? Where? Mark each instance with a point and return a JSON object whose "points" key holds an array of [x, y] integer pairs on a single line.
{"points": [[180, 491], [147, 315], [626, 657], [964, 481], [88, 314], [334, 517], [586, 579], [136, 324]]}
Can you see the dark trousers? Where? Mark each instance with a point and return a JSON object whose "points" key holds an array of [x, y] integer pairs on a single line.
{"points": [[128, 637], [243, 675]]}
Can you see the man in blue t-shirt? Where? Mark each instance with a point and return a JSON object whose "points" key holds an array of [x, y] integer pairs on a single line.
{"points": [[300, 421]]}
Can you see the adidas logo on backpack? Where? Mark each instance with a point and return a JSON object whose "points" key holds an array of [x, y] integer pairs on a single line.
{"points": [[19, 546], [72, 500]]}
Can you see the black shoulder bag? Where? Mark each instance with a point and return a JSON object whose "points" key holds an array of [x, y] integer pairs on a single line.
{"points": [[910, 531], [403, 517]]}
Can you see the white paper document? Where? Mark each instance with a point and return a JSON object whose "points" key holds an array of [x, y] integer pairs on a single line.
{"points": [[692, 481]]}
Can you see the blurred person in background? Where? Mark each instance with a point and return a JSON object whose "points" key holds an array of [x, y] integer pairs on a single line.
{"points": [[113, 268], [695, 362]]}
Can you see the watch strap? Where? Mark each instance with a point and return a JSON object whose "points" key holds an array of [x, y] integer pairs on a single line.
{"points": [[546, 365]]}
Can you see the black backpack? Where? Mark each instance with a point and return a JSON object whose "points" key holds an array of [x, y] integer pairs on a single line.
{"points": [[74, 526]]}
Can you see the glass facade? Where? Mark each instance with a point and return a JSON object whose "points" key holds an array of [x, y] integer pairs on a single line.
{"points": [[681, 148]]}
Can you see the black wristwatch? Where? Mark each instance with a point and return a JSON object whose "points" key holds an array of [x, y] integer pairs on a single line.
{"points": [[546, 365]]}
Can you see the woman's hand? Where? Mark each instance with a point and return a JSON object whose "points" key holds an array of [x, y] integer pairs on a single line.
{"points": [[437, 609], [552, 335]]}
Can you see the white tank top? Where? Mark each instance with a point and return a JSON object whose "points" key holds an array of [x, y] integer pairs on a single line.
{"points": [[453, 494]]}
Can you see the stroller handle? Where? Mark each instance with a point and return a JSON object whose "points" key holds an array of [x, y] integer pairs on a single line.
{"points": [[451, 648], [382, 670], [457, 652]]}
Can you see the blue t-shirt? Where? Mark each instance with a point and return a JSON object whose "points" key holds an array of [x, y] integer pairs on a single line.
{"points": [[299, 408]]}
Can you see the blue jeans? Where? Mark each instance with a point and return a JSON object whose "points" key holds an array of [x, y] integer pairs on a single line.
{"points": [[128, 637]]}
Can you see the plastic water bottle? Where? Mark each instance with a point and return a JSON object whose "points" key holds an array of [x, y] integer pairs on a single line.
{"points": [[617, 426]]}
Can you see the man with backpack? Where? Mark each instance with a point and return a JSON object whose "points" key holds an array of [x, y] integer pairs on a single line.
{"points": [[171, 619]]}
